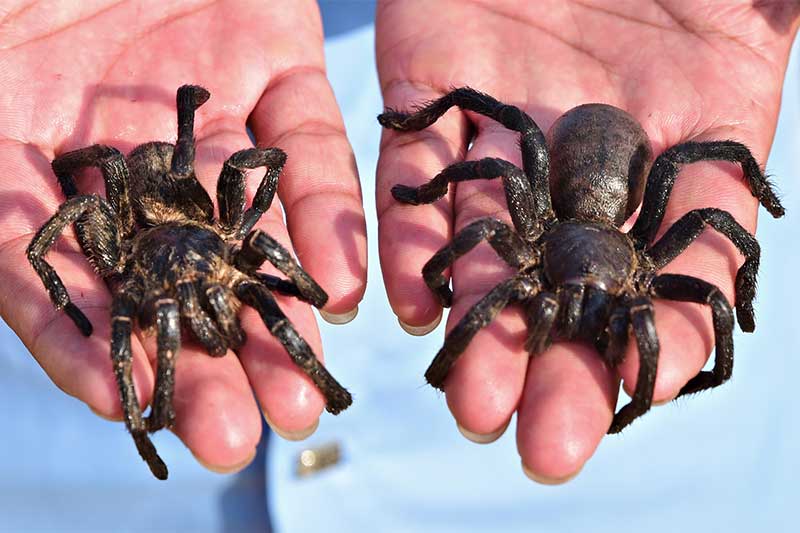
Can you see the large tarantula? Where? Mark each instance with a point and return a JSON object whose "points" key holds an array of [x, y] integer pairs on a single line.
{"points": [[168, 262], [578, 276]]}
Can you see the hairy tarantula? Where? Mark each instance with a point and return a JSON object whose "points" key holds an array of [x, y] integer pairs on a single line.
{"points": [[578, 276], [168, 262]]}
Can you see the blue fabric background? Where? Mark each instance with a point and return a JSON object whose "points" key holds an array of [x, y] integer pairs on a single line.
{"points": [[724, 461]]}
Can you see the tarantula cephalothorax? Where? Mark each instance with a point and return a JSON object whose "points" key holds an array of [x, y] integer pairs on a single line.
{"points": [[168, 262], [578, 276]]}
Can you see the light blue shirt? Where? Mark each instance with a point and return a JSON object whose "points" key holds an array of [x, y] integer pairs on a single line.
{"points": [[724, 460]]}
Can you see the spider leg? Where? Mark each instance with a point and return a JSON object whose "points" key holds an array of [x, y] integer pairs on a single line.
{"points": [[226, 316], [689, 227], [67, 213], [614, 340], [535, 160], [188, 192], [644, 329], [123, 308], [666, 167], [690, 289], [506, 243], [479, 316], [570, 303], [168, 335], [115, 173], [198, 320], [276, 284], [515, 184], [257, 296], [188, 99], [259, 247], [231, 188], [542, 314]]}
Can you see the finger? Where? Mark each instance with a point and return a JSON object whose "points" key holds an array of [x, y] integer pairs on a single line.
{"points": [[81, 366], [566, 409], [288, 399], [410, 235], [485, 385], [319, 186], [685, 329], [544, 391], [216, 415]]}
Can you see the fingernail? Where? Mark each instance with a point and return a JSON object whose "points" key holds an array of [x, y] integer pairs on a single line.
{"points": [[661, 402], [343, 318], [480, 438], [292, 435], [105, 416], [543, 480], [419, 331], [227, 469]]}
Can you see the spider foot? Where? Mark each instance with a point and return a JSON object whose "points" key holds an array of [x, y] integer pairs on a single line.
{"points": [[624, 417], [79, 318], [395, 120], [767, 197], [702, 381], [337, 400], [193, 95], [445, 296], [437, 372], [746, 317], [149, 454], [405, 194]]}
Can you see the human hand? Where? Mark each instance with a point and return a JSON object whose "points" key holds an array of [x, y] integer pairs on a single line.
{"points": [[683, 71], [107, 73]]}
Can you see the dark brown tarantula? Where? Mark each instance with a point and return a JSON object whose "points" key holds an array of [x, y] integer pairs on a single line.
{"points": [[578, 276], [168, 262]]}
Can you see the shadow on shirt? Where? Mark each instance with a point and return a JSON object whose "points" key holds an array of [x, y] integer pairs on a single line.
{"points": [[244, 502]]}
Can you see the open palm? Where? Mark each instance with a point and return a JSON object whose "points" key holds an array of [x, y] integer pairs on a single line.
{"points": [[106, 72], [684, 70]]}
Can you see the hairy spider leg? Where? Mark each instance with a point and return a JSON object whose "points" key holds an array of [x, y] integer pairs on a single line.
{"points": [[614, 341], [226, 318], [231, 188], [513, 290], [690, 289], [122, 310], [279, 285], [570, 303], [516, 185], [257, 296], [666, 167], [198, 321], [188, 99], [116, 177], [644, 329], [188, 191], [533, 146], [542, 314], [68, 213], [168, 338], [502, 238], [689, 227], [259, 247]]}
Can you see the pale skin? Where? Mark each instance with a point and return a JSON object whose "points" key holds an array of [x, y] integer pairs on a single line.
{"points": [[685, 70], [75, 74], [81, 80]]}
